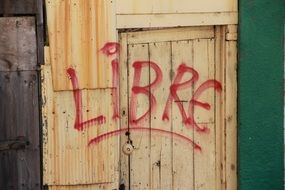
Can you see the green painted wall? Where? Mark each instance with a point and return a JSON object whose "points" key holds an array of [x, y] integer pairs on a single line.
{"points": [[260, 93]]}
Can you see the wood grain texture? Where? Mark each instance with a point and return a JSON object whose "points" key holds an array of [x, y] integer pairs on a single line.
{"points": [[160, 155], [19, 116], [140, 158], [204, 63], [175, 19], [18, 7], [165, 162], [124, 110], [231, 117], [182, 154], [171, 6], [18, 44], [105, 186], [41, 31]]}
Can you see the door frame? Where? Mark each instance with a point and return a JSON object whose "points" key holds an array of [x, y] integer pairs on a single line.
{"points": [[226, 42]]}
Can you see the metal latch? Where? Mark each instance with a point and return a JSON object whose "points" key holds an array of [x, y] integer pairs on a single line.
{"points": [[16, 144], [128, 148]]}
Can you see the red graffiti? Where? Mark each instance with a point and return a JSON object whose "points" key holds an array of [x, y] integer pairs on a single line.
{"points": [[109, 49], [115, 88], [113, 48], [146, 90], [141, 129], [195, 102], [178, 85], [79, 125]]}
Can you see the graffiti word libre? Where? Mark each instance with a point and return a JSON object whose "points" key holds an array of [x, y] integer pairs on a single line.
{"points": [[136, 122]]}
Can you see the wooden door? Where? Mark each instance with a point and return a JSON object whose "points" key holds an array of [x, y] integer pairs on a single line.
{"points": [[19, 105], [177, 99]]}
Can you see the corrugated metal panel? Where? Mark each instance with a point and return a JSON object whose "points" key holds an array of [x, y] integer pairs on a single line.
{"points": [[78, 29], [68, 159]]}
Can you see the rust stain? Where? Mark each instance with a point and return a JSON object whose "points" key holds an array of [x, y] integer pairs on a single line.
{"points": [[86, 41], [98, 8], [67, 32]]}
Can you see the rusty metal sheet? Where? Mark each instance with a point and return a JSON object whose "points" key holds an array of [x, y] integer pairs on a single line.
{"points": [[18, 46], [70, 156], [78, 29]]}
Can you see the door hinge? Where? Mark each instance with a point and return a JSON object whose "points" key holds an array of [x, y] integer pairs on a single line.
{"points": [[15, 144]]}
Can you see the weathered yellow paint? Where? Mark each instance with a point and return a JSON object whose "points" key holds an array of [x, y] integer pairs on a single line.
{"points": [[77, 30], [175, 19], [166, 162], [68, 160], [174, 6], [105, 186]]}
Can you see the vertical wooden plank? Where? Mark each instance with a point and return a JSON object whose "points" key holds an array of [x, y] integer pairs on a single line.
{"points": [[230, 120], [204, 163], [47, 109], [106, 186], [124, 110], [219, 106], [140, 158], [40, 32], [19, 103], [19, 116], [15, 7], [182, 52], [161, 145], [18, 44], [218, 112]]}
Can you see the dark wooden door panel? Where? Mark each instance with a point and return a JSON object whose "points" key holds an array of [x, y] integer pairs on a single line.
{"points": [[18, 47], [19, 105], [19, 117], [18, 7]]}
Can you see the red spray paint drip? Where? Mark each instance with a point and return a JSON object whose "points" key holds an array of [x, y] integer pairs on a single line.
{"points": [[79, 124], [115, 89], [176, 85], [195, 102], [146, 90], [111, 48]]}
